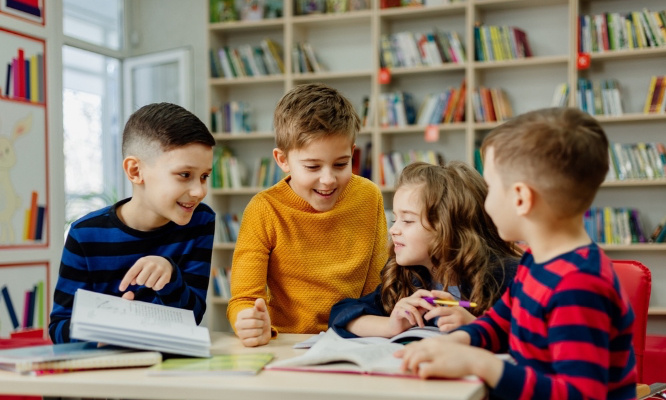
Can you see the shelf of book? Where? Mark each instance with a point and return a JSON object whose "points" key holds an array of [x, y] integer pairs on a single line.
{"points": [[348, 46]]}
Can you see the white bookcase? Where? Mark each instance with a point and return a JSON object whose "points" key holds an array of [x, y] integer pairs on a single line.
{"points": [[348, 45]]}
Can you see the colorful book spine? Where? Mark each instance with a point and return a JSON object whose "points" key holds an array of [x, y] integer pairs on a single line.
{"points": [[10, 307]]}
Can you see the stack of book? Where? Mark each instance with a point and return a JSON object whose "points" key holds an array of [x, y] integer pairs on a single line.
{"points": [[304, 59], [396, 109], [491, 104], [409, 49], [228, 172], [233, 117], [227, 228], [636, 161], [612, 225], [392, 164], [496, 43], [447, 107], [615, 31], [599, 97], [221, 285], [266, 173], [655, 102], [247, 60]]}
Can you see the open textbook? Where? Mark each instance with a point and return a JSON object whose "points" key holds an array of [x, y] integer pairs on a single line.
{"points": [[331, 353], [135, 324], [410, 335]]}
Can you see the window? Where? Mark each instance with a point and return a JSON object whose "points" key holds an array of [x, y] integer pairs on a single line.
{"points": [[92, 112]]}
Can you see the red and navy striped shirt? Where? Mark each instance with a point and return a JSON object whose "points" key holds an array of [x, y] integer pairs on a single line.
{"points": [[568, 325]]}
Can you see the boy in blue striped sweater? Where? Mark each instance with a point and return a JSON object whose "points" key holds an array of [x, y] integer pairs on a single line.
{"points": [[155, 246], [564, 318]]}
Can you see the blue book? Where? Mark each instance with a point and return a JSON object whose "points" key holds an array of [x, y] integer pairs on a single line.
{"points": [[39, 228], [10, 307]]}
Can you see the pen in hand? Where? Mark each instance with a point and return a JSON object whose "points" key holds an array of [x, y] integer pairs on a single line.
{"points": [[461, 303]]}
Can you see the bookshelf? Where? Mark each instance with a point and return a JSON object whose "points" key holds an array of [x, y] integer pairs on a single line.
{"points": [[348, 46]]}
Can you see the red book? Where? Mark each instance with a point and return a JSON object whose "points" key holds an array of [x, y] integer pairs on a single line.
{"points": [[20, 73], [33, 216]]}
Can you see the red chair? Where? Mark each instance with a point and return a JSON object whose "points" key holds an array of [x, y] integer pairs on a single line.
{"points": [[636, 280]]}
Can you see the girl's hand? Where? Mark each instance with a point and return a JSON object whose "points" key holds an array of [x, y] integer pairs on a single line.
{"points": [[450, 317], [408, 312]]}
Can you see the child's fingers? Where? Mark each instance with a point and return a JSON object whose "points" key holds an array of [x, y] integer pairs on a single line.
{"points": [[128, 296], [129, 278], [440, 294], [260, 305]]}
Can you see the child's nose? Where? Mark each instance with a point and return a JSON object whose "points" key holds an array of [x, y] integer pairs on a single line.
{"points": [[327, 177]]}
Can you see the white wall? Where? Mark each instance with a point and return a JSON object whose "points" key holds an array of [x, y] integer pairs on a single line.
{"points": [[159, 25]]}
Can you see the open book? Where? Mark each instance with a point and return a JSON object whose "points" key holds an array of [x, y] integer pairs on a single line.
{"points": [[331, 353], [135, 324], [410, 335]]}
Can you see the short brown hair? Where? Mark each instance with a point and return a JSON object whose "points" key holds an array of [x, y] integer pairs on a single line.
{"points": [[163, 127], [561, 152], [313, 111]]}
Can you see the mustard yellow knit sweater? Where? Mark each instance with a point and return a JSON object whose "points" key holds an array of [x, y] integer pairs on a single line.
{"points": [[303, 261]]}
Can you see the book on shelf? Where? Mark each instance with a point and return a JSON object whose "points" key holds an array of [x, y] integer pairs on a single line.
{"points": [[221, 283], [411, 49], [642, 160], [135, 324], [222, 11], [496, 43], [250, 10], [65, 357], [305, 7], [614, 225], [223, 364], [332, 353], [337, 6], [655, 101], [619, 31]]}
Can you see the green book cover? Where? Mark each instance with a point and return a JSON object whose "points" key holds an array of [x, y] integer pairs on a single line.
{"points": [[225, 364]]}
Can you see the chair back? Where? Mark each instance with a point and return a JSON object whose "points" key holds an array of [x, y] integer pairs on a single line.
{"points": [[636, 281]]}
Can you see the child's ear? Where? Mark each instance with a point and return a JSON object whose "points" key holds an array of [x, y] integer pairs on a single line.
{"points": [[523, 198], [132, 170], [281, 160]]}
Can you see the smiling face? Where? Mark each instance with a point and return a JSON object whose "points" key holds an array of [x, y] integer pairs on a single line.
{"points": [[410, 232], [171, 186], [320, 171]]}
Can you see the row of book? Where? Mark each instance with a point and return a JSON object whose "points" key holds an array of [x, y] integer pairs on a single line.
{"points": [[33, 221], [304, 59], [33, 307], [228, 225], [392, 164], [416, 3], [232, 117], [494, 43], [408, 49], [614, 225], [246, 60], [305, 7], [245, 10], [447, 107], [228, 172], [221, 282], [636, 161], [24, 77], [599, 97], [491, 104], [617, 31], [655, 101]]}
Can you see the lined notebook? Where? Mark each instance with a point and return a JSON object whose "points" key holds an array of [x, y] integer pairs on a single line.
{"points": [[120, 360]]}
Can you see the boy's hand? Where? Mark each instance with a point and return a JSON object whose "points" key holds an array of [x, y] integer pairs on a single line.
{"points": [[446, 357], [450, 318], [150, 271], [253, 325], [408, 312]]}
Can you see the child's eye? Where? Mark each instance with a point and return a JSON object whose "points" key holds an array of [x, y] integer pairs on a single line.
{"points": [[341, 165], [312, 167], [185, 174], [205, 177]]}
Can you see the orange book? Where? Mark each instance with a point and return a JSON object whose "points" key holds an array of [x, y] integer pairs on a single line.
{"points": [[487, 102], [447, 115], [459, 114], [32, 221]]}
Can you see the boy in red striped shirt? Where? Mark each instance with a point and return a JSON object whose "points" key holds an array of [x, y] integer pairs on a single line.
{"points": [[564, 319]]}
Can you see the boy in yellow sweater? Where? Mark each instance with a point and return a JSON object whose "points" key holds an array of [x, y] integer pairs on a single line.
{"points": [[316, 237]]}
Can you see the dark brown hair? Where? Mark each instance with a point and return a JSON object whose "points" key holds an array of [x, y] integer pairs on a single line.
{"points": [[163, 126]]}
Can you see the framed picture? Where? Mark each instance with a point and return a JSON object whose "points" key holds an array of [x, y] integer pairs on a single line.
{"points": [[30, 10], [23, 141], [25, 301]]}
